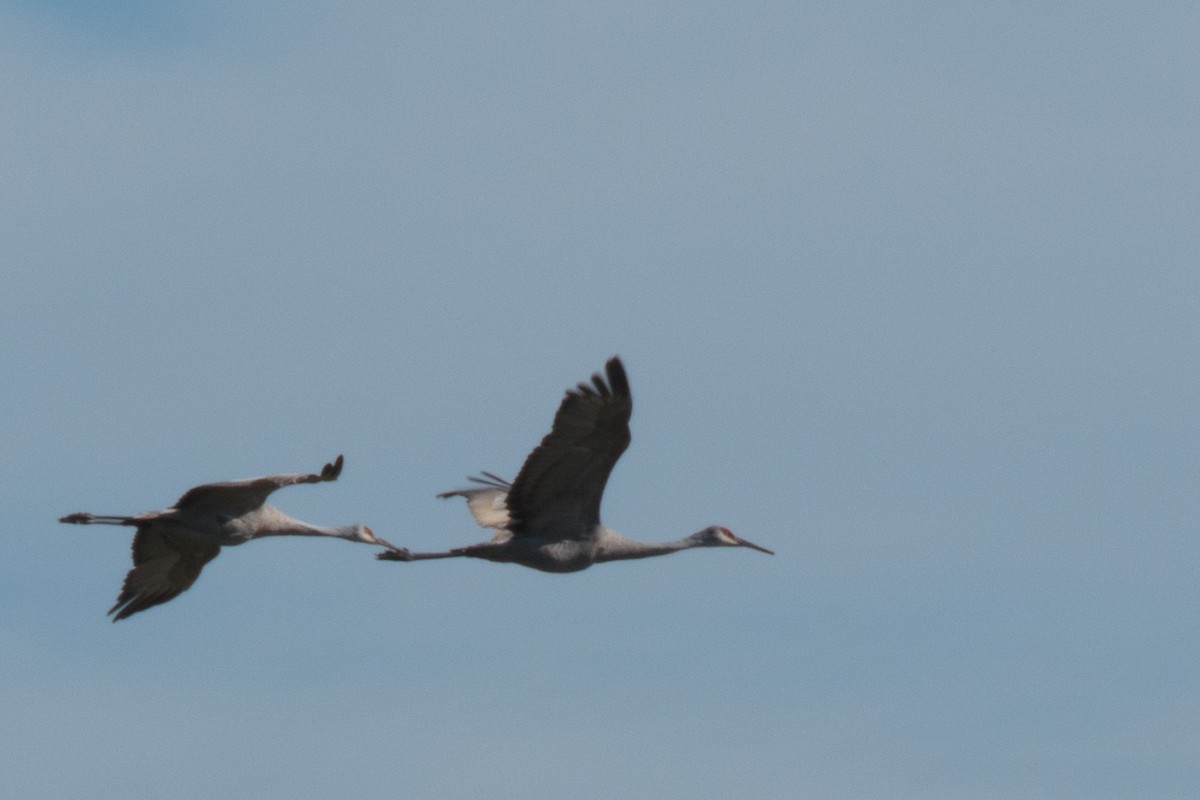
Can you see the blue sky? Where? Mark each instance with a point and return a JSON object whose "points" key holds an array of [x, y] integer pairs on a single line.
{"points": [[908, 295]]}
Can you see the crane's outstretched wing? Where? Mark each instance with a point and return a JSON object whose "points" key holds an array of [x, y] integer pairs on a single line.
{"points": [[486, 502], [165, 564], [561, 483], [234, 498]]}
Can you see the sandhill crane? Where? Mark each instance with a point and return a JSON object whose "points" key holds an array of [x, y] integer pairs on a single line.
{"points": [[549, 517], [171, 546]]}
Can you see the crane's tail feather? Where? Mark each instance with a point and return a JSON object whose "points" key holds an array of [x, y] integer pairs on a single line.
{"points": [[487, 502]]}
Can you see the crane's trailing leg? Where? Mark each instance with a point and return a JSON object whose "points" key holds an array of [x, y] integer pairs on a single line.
{"points": [[490, 551], [83, 518], [404, 554]]}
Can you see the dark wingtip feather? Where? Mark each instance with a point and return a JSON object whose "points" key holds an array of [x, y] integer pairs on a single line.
{"points": [[617, 379], [489, 479], [493, 476], [331, 471], [123, 608], [613, 382], [133, 602]]}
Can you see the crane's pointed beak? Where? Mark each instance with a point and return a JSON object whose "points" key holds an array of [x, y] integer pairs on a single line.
{"points": [[754, 546], [384, 542]]}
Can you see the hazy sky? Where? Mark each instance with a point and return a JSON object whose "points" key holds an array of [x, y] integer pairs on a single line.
{"points": [[909, 294]]}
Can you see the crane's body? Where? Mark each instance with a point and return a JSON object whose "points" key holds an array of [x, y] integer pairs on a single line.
{"points": [[549, 517], [217, 528], [171, 546], [567, 555]]}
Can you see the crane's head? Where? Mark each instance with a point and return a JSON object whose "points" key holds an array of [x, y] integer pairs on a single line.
{"points": [[720, 536], [361, 533]]}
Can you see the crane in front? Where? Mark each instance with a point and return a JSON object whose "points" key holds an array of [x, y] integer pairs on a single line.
{"points": [[549, 517]]}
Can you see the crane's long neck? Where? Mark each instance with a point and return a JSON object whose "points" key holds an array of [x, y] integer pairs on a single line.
{"points": [[615, 547], [274, 522], [303, 529]]}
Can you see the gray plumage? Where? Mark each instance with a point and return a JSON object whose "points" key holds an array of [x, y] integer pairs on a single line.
{"points": [[171, 546], [549, 517]]}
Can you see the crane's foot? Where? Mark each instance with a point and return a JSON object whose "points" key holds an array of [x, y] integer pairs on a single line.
{"points": [[79, 518], [398, 554]]}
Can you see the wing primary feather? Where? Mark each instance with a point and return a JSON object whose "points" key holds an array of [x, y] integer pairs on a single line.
{"points": [[562, 480], [617, 378], [490, 479], [330, 472]]}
